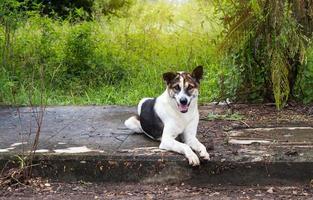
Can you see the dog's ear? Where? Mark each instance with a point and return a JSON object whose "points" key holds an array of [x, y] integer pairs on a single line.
{"points": [[168, 77], [197, 73]]}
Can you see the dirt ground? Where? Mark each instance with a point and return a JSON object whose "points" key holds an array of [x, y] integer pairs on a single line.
{"points": [[83, 190], [236, 116]]}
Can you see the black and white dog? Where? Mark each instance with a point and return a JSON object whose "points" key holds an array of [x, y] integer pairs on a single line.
{"points": [[174, 113]]}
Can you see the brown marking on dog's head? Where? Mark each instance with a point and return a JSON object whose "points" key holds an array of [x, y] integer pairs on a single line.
{"points": [[183, 85], [188, 81]]}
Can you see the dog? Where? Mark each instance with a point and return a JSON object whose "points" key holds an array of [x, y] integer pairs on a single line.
{"points": [[174, 113]]}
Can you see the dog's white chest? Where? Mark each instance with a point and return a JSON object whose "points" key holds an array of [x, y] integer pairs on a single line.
{"points": [[178, 122]]}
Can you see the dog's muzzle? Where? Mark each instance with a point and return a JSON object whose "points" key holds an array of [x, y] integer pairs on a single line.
{"points": [[183, 105]]}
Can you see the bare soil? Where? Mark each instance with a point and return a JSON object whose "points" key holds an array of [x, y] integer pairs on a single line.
{"points": [[252, 115], [82, 190]]}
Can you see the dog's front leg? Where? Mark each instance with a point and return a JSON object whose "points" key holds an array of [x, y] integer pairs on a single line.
{"points": [[191, 140], [169, 143]]}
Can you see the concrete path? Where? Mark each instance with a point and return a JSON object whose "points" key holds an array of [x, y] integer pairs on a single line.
{"points": [[93, 128], [91, 143]]}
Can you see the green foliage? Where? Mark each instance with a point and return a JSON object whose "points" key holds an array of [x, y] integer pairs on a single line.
{"points": [[111, 7], [304, 83], [78, 53], [118, 55], [112, 60], [268, 44], [66, 9]]}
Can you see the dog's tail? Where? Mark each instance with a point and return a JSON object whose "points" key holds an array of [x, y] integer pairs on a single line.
{"points": [[133, 123]]}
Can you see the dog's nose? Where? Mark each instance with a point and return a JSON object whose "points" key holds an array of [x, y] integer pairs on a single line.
{"points": [[183, 101]]}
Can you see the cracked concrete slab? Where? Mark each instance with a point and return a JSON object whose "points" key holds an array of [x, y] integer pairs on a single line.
{"points": [[288, 135], [96, 134], [96, 127]]}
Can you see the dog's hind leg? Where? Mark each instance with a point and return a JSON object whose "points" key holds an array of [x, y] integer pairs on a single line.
{"points": [[133, 123]]}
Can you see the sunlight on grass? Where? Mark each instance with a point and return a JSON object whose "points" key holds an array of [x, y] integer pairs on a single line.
{"points": [[114, 60]]}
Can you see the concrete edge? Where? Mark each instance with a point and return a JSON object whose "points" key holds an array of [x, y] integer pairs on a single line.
{"points": [[159, 169]]}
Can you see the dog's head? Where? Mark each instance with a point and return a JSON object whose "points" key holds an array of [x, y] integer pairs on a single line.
{"points": [[183, 87]]}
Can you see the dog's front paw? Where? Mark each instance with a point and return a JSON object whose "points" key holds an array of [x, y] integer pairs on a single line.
{"points": [[193, 159], [205, 155]]}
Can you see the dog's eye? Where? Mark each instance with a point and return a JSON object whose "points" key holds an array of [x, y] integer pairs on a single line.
{"points": [[177, 88], [190, 87]]}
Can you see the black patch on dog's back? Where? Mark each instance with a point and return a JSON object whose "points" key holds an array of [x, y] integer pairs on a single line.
{"points": [[150, 122]]}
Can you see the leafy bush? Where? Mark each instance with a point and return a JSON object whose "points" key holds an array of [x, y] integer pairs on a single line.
{"points": [[304, 84], [120, 57], [268, 44], [113, 60], [78, 55]]}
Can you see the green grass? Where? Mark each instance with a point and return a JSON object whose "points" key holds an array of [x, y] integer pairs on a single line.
{"points": [[229, 116], [110, 60], [119, 60]]}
